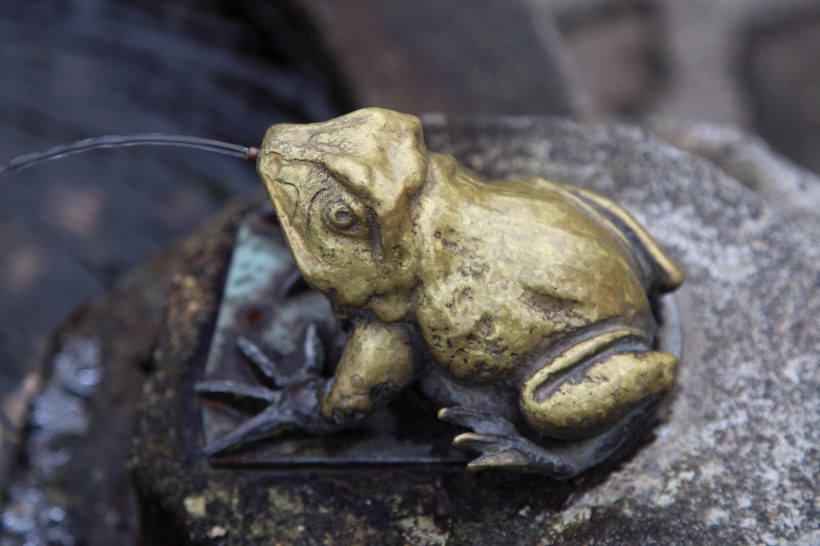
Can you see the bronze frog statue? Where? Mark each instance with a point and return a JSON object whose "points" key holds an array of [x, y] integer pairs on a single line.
{"points": [[522, 307]]}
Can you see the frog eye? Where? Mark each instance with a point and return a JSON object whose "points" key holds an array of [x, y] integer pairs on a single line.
{"points": [[340, 217]]}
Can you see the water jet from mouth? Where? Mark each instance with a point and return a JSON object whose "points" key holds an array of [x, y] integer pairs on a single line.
{"points": [[117, 141]]}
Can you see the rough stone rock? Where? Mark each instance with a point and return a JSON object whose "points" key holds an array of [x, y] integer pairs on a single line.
{"points": [[747, 158], [733, 460]]}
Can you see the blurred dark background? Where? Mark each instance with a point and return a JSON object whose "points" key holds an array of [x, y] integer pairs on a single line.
{"points": [[226, 69]]}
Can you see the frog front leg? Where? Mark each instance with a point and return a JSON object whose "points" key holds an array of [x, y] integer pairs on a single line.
{"points": [[377, 364], [273, 400]]}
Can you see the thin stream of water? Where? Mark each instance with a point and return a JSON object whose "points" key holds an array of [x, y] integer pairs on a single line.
{"points": [[69, 229], [116, 141]]}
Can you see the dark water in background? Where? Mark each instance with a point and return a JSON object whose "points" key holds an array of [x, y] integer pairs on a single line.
{"points": [[73, 69]]}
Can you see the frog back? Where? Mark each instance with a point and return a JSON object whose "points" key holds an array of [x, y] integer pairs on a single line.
{"points": [[510, 268]]}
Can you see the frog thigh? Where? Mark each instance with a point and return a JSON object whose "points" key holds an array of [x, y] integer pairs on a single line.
{"points": [[595, 383], [666, 274], [377, 363]]}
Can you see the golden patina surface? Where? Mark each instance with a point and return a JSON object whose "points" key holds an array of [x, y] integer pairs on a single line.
{"points": [[519, 304]]}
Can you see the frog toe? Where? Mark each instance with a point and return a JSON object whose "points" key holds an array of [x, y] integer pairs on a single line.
{"points": [[271, 372], [514, 453], [509, 458], [259, 427], [491, 446], [477, 442], [251, 398], [522, 460], [477, 421], [267, 370]]}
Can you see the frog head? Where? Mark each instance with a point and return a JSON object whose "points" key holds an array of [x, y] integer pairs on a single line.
{"points": [[342, 190]]}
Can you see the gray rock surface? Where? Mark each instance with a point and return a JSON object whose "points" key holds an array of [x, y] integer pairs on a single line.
{"points": [[733, 460], [737, 459], [749, 159]]}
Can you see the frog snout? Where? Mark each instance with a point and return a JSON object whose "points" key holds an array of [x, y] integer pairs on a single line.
{"points": [[269, 164], [284, 194]]}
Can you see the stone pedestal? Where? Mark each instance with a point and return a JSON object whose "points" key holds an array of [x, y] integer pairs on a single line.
{"points": [[732, 461]]}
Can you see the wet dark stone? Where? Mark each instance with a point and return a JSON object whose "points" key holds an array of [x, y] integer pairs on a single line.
{"points": [[69, 484]]}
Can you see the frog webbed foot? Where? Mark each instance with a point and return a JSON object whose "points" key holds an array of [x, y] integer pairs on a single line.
{"points": [[501, 444], [478, 421], [281, 401]]}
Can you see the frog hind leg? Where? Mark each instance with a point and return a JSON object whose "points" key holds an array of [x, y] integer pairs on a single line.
{"points": [[593, 395], [595, 382], [587, 401], [602, 404], [662, 273]]}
